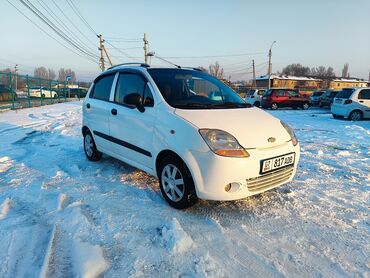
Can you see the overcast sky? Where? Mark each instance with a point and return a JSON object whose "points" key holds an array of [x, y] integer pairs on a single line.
{"points": [[313, 33]]}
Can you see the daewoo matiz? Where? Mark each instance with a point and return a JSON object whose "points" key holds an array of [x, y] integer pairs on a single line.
{"points": [[190, 130]]}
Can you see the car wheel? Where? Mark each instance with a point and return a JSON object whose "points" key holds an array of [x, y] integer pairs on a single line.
{"points": [[305, 106], [274, 106], [91, 151], [43, 95], [176, 183], [355, 115], [257, 104], [55, 96]]}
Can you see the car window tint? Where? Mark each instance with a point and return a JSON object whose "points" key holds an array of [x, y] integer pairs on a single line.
{"points": [[280, 93], [148, 99], [364, 94], [128, 84], [292, 93], [345, 93], [102, 88]]}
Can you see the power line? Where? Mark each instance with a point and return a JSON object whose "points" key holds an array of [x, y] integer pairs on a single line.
{"points": [[120, 51], [214, 56], [41, 29], [78, 13]]}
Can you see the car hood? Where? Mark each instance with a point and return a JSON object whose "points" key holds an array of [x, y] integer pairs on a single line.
{"points": [[252, 127]]}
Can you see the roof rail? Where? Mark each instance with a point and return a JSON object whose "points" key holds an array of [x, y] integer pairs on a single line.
{"points": [[132, 63]]}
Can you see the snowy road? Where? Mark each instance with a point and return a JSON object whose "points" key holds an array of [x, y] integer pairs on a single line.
{"points": [[63, 216]]}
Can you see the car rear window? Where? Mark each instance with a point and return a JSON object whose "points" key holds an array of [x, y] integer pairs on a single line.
{"points": [[317, 94], [345, 93], [267, 93]]}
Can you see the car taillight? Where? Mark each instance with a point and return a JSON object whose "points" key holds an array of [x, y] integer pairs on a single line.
{"points": [[348, 101]]}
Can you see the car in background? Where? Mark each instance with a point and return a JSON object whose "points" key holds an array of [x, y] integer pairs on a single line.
{"points": [[76, 92], [327, 98], [253, 97], [352, 103], [316, 97], [6, 93], [43, 92], [282, 98]]}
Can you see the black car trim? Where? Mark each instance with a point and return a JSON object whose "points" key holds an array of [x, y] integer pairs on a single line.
{"points": [[123, 143]]}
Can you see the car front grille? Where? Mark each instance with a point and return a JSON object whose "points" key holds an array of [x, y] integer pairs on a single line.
{"points": [[270, 180]]}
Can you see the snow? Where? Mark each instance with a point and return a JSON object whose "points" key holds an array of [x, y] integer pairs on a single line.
{"points": [[62, 215]]}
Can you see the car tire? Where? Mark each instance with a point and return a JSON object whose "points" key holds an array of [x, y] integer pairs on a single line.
{"points": [[176, 183], [305, 106], [274, 106], [257, 104], [43, 95], [355, 115], [90, 149]]}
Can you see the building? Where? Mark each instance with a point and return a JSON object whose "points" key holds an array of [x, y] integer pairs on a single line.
{"points": [[308, 84]]}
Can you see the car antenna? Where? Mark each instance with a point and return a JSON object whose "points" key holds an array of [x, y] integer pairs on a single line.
{"points": [[160, 58]]}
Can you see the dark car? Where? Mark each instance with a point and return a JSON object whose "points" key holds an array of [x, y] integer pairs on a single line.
{"points": [[6, 93], [327, 98], [77, 92], [277, 98], [315, 97]]}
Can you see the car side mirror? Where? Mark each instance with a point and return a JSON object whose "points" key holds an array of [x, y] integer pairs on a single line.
{"points": [[134, 99]]}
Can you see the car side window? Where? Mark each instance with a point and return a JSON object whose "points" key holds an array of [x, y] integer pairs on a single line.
{"points": [[280, 93], [102, 88], [128, 84], [364, 94], [292, 93]]}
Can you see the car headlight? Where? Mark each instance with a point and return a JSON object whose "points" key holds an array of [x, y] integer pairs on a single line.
{"points": [[223, 143], [291, 133]]}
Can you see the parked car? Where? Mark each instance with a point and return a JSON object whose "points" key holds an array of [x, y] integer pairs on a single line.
{"points": [[169, 122], [6, 93], [278, 98], [253, 97], [77, 92], [316, 97], [43, 92], [353, 103], [327, 98]]}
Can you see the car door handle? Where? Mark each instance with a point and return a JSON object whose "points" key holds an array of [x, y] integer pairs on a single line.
{"points": [[361, 101], [88, 105], [114, 111]]}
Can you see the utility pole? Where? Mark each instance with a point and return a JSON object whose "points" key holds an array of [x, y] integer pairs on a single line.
{"points": [[101, 49], [15, 75], [254, 75], [270, 65], [145, 49]]}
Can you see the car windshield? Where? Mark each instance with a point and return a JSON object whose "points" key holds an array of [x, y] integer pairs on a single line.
{"points": [[191, 89], [251, 92], [317, 94], [345, 93]]}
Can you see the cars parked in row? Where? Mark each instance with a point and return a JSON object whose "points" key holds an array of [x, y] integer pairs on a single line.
{"points": [[184, 126], [43, 92], [327, 98], [6, 93], [253, 96], [76, 92], [352, 103], [316, 97], [278, 98]]}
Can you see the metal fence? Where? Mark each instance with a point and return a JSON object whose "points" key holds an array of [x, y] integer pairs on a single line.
{"points": [[23, 91]]}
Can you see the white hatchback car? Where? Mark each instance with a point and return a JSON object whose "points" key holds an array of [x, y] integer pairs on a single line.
{"points": [[353, 103], [253, 97], [188, 129]]}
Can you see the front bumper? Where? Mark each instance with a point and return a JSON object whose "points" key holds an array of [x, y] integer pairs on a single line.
{"points": [[211, 173]]}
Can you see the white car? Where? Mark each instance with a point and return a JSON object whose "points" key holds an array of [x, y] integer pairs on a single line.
{"points": [[188, 129], [352, 103], [43, 92], [253, 97]]}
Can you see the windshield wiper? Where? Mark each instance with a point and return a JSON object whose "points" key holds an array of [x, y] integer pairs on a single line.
{"points": [[193, 105], [231, 105]]}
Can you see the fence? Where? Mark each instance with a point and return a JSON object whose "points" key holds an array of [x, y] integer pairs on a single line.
{"points": [[23, 91]]}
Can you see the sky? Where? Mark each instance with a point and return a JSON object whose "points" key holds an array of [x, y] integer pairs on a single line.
{"points": [[194, 33]]}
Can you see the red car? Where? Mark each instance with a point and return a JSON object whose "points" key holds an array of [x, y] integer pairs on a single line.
{"points": [[277, 98]]}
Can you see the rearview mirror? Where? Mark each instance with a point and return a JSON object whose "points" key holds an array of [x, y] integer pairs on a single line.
{"points": [[134, 99]]}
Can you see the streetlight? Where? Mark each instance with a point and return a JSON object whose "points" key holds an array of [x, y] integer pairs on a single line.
{"points": [[270, 64]]}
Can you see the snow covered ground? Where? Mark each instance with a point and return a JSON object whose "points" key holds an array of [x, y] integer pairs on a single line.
{"points": [[63, 216]]}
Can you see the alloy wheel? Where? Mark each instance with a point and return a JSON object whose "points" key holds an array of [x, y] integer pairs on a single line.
{"points": [[173, 182], [89, 145]]}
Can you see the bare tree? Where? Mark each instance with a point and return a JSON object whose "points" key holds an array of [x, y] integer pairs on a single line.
{"points": [[202, 69], [297, 70], [322, 72], [64, 73], [51, 74], [42, 72], [345, 72], [216, 71]]}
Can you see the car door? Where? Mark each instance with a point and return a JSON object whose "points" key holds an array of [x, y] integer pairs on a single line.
{"points": [[97, 111], [130, 129], [293, 98], [282, 98], [364, 101]]}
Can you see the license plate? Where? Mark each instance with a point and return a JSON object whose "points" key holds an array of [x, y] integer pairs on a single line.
{"points": [[274, 163], [338, 101]]}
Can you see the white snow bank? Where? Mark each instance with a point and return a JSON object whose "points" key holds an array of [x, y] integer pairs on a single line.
{"points": [[5, 207], [63, 198], [5, 163], [88, 260], [176, 239]]}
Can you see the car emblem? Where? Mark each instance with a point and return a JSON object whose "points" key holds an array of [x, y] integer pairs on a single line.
{"points": [[271, 140]]}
